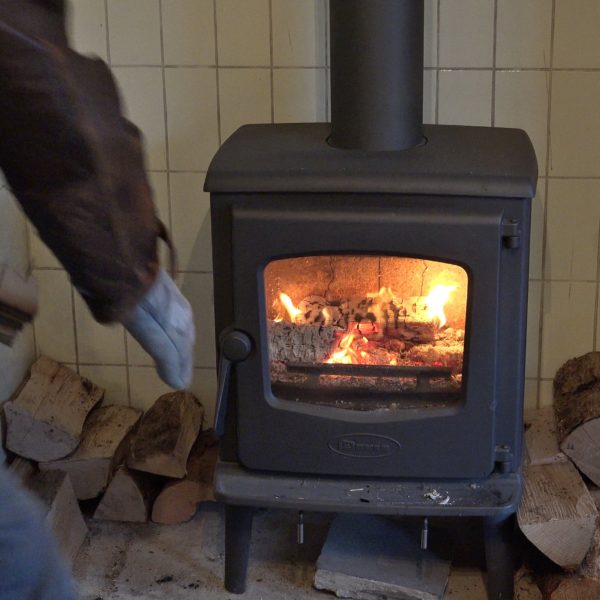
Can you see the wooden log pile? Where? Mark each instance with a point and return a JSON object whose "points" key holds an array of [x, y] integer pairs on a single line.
{"points": [[66, 448], [560, 509]]}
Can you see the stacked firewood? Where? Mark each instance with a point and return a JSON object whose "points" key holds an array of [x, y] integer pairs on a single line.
{"points": [[559, 513], [68, 447]]}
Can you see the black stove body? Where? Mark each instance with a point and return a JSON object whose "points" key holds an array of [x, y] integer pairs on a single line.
{"points": [[321, 214]]}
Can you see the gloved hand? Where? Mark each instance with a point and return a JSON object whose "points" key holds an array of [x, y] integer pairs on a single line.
{"points": [[163, 323]]}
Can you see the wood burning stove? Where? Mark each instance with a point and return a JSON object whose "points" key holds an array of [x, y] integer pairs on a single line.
{"points": [[370, 298]]}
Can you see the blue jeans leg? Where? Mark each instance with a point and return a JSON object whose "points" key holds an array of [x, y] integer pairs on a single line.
{"points": [[31, 567]]}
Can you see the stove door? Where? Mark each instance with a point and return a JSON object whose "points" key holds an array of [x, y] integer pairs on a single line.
{"points": [[374, 331]]}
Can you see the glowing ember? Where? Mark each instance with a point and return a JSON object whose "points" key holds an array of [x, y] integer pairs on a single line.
{"points": [[436, 301], [292, 311]]}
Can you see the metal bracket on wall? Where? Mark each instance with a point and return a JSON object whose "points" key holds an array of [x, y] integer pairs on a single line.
{"points": [[511, 234]]}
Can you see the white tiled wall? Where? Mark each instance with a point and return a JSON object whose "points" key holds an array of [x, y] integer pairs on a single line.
{"points": [[191, 71]]}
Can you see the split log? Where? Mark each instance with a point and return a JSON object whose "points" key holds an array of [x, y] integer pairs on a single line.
{"points": [[590, 567], [22, 468], [178, 500], [541, 443], [289, 342], [526, 587], [63, 515], [557, 513], [166, 434], [104, 445], [565, 587], [46, 419], [128, 498], [577, 406]]}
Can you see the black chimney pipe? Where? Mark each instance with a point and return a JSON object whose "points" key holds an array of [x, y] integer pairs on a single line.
{"points": [[376, 74]]}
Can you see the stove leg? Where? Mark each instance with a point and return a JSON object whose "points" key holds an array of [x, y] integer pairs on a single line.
{"points": [[499, 534], [238, 531]]}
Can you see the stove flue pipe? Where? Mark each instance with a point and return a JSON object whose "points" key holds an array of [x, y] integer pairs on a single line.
{"points": [[376, 74]]}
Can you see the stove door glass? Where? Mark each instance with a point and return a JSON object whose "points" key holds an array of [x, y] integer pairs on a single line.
{"points": [[366, 332]]}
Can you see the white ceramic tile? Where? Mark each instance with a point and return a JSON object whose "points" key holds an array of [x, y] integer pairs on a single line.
{"points": [[188, 32], [198, 289], [573, 221], [142, 91], [192, 118], [568, 323], [243, 33], [14, 247], [524, 33], [431, 33], [575, 124], [54, 330], [530, 399], [429, 96], [577, 34], [112, 379], [299, 34], [41, 256], [134, 32], [98, 344], [522, 102], [465, 97], [87, 27], [536, 248], [533, 329], [300, 95], [466, 33], [546, 393], [15, 362], [204, 387], [251, 85], [146, 387], [191, 221]]}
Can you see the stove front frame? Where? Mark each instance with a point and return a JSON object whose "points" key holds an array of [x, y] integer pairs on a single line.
{"points": [[285, 436]]}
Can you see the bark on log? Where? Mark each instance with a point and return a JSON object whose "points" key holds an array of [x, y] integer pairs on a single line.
{"points": [[178, 500], [46, 419], [557, 513], [577, 408], [166, 434], [541, 443], [63, 515], [104, 445], [128, 498]]}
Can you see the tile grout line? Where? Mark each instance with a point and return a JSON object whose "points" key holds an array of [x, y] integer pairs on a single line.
{"points": [[76, 342], [437, 66], [108, 57], [597, 294], [272, 61], [217, 74], [546, 205], [494, 63]]}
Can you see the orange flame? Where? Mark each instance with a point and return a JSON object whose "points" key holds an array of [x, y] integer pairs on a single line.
{"points": [[346, 354], [292, 311], [436, 302]]}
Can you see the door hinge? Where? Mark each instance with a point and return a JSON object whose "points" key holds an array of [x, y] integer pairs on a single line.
{"points": [[511, 234]]}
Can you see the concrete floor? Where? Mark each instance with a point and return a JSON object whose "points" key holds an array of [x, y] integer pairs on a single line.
{"points": [[120, 562]]}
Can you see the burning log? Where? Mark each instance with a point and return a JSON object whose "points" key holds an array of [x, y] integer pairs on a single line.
{"points": [[557, 513], [289, 342], [46, 419], [577, 407]]}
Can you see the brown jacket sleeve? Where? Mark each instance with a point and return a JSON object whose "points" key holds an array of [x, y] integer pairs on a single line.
{"points": [[72, 160]]}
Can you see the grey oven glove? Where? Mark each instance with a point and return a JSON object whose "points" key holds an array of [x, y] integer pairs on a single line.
{"points": [[163, 323]]}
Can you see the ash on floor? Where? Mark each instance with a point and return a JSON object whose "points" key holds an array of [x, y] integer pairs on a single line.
{"points": [[120, 562]]}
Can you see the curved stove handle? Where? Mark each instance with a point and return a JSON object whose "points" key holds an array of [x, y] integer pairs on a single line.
{"points": [[235, 347]]}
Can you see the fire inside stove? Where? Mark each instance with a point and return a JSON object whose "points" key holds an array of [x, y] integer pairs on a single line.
{"points": [[366, 332]]}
